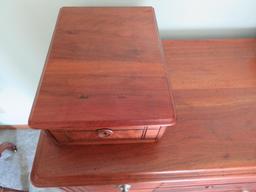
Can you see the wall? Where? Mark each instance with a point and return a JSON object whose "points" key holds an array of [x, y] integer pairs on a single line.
{"points": [[27, 25]]}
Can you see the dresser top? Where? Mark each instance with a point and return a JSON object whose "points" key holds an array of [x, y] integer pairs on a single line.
{"points": [[214, 83], [105, 67]]}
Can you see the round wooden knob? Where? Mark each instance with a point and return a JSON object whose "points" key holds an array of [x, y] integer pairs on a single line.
{"points": [[104, 133]]}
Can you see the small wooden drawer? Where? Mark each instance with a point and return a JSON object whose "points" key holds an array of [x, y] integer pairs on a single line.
{"points": [[109, 135]]}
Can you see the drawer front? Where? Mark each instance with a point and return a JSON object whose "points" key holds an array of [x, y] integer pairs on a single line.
{"points": [[138, 187], [109, 135], [95, 135], [157, 187], [214, 188]]}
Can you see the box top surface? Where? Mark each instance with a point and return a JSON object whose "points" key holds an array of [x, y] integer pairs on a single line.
{"points": [[105, 67]]}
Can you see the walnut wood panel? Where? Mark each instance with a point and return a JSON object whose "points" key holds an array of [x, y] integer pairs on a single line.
{"points": [[105, 68], [213, 142]]}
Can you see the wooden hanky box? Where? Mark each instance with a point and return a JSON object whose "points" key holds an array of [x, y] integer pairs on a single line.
{"points": [[104, 80]]}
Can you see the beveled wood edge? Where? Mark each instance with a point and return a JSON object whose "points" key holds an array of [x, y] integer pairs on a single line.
{"points": [[176, 178], [92, 124], [179, 180], [20, 126]]}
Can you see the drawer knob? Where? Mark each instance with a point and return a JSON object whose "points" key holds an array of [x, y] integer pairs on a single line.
{"points": [[124, 187], [104, 133]]}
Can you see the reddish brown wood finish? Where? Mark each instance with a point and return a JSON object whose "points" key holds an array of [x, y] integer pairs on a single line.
{"points": [[212, 144], [234, 187], [130, 134], [105, 69]]}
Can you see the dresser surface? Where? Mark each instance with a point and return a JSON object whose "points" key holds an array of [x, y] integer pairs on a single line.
{"points": [[212, 145]]}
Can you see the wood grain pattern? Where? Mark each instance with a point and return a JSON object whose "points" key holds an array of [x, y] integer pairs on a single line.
{"points": [[213, 142], [105, 68]]}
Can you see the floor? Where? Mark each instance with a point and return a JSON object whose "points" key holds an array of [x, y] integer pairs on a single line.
{"points": [[16, 167]]}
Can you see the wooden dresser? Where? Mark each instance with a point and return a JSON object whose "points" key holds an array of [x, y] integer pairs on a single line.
{"points": [[211, 148]]}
